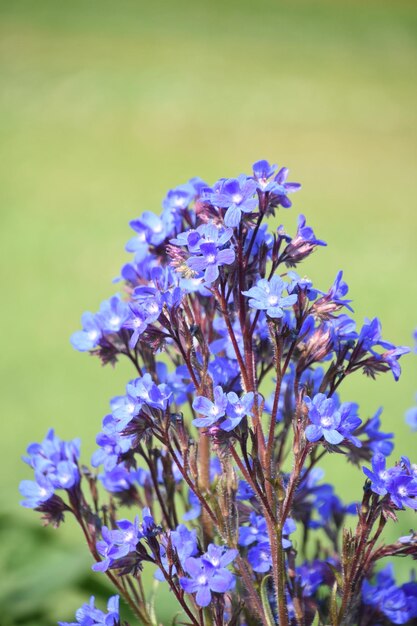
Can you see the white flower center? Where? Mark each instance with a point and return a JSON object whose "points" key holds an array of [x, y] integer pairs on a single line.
{"points": [[93, 334], [130, 408], [43, 491], [237, 197], [326, 421], [273, 300], [383, 475], [210, 258], [402, 491], [202, 579], [115, 320]]}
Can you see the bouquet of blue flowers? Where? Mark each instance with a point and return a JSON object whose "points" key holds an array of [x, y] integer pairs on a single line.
{"points": [[234, 516]]}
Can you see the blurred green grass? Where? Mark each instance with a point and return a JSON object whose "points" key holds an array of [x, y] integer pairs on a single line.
{"points": [[104, 106]]}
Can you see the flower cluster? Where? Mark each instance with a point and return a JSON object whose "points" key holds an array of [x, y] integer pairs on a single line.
{"points": [[256, 536], [55, 466], [208, 574], [398, 605], [398, 483], [238, 362], [89, 615]]}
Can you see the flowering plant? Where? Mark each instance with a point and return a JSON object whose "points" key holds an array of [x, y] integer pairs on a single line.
{"points": [[235, 517]]}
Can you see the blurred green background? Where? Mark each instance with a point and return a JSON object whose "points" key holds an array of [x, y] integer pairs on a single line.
{"points": [[106, 105]]}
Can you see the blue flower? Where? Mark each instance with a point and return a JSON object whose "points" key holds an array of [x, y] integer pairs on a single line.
{"points": [[262, 172], [212, 411], [150, 230], [55, 467], [302, 245], [35, 492], [390, 358], [331, 421], [208, 574], [124, 409], [282, 188], [399, 482], [237, 196], [224, 370], [398, 604], [116, 544], [244, 491], [267, 296], [334, 298], [219, 556], [118, 479], [402, 489], [144, 311], [112, 445], [256, 532], [206, 233], [144, 390], [179, 198], [237, 409], [371, 335], [113, 314], [260, 558], [369, 338], [89, 337], [311, 576], [111, 547], [378, 441], [379, 474], [175, 382], [210, 260], [88, 615], [342, 330], [301, 285], [185, 543]]}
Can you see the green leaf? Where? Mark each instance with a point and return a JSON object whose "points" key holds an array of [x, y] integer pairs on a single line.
{"points": [[265, 601]]}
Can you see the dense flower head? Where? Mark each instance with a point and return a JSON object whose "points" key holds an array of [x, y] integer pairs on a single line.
{"points": [[238, 363]]}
